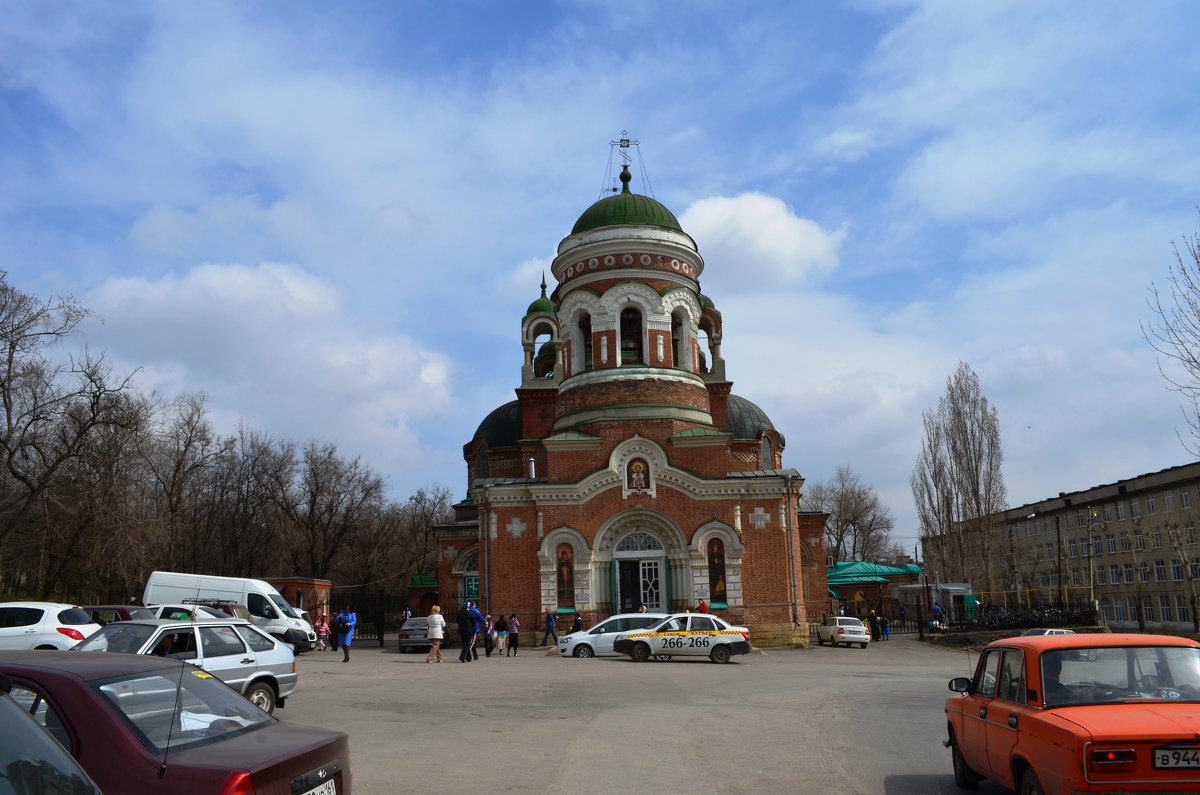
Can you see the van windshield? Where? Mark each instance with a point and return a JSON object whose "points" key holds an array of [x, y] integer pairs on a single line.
{"points": [[283, 606]]}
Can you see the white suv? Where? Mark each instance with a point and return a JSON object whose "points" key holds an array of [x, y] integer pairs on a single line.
{"points": [[43, 625], [598, 641]]}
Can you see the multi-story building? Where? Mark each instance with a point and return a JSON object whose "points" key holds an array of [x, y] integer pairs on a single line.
{"points": [[1130, 549]]}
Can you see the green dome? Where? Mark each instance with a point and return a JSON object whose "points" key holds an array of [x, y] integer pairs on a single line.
{"points": [[542, 304], [626, 208], [706, 302]]}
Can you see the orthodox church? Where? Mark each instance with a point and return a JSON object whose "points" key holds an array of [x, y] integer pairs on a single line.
{"points": [[626, 472]]}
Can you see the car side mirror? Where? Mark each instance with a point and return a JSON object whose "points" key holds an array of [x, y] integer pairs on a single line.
{"points": [[960, 684]]}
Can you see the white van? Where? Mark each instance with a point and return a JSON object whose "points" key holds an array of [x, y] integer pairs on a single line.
{"points": [[267, 608]]}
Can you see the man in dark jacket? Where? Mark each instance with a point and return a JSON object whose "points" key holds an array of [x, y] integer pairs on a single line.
{"points": [[477, 624], [466, 631]]}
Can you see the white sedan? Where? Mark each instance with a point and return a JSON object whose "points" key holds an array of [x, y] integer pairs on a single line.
{"points": [[837, 630], [686, 635], [598, 640]]}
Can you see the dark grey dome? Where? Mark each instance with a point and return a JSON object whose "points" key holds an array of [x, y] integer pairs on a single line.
{"points": [[501, 428], [746, 420]]}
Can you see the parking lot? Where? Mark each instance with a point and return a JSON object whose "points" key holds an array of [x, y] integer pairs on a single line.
{"points": [[817, 720]]}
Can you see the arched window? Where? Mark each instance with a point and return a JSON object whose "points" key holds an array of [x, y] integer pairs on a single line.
{"points": [[584, 343], [702, 346], [680, 344], [631, 336], [565, 566], [716, 573], [768, 456]]}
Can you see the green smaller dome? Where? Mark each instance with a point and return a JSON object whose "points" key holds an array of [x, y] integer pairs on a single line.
{"points": [[542, 304], [706, 302]]}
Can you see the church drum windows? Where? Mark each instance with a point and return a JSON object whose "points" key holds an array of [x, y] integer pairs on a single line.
{"points": [[631, 337]]}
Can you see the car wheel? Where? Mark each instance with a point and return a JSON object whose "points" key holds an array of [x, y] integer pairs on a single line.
{"points": [[820, 640], [964, 776], [262, 696], [584, 650], [720, 654], [640, 652], [862, 645], [1030, 784]]}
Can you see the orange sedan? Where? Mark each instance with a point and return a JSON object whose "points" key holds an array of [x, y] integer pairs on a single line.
{"points": [[1057, 714]]}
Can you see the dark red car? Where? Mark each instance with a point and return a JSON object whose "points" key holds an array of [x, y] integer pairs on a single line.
{"points": [[156, 725]]}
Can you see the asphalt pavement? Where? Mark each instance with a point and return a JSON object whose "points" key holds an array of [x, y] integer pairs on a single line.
{"points": [[820, 720]]}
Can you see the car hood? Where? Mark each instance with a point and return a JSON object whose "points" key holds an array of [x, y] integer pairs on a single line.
{"points": [[1149, 721]]}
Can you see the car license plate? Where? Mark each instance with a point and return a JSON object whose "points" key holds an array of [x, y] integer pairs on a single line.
{"points": [[328, 788], [1176, 757]]}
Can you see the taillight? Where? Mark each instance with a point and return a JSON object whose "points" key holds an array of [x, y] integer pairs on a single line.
{"points": [[745, 636], [239, 782], [1113, 758], [841, 631], [73, 634]]}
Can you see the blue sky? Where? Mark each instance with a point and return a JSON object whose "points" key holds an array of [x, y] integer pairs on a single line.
{"points": [[331, 217]]}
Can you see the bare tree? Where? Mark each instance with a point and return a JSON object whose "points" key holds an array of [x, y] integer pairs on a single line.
{"points": [[1174, 331], [1134, 542], [1177, 540], [324, 506], [958, 483], [859, 525]]}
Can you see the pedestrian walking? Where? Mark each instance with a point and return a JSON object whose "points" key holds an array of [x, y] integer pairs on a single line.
{"points": [[883, 627], [873, 623], [466, 629], [477, 625], [345, 623], [435, 634], [577, 624], [514, 632], [501, 634], [489, 635], [551, 625], [322, 632]]}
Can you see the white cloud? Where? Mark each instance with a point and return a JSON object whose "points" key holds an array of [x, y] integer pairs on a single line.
{"points": [[759, 242], [274, 348]]}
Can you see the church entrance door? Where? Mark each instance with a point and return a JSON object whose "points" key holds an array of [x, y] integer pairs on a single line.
{"points": [[640, 582]]}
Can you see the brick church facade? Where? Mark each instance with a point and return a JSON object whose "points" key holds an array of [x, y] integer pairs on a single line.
{"points": [[626, 471]]}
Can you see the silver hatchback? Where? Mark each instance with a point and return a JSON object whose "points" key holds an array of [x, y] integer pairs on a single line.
{"points": [[235, 651]]}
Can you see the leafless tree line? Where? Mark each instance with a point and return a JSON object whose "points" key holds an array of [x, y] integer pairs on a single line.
{"points": [[99, 485], [859, 526], [958, 482]]}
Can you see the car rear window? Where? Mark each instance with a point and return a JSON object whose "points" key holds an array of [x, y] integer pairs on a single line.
{"points": [[74, 615], [120, 636], [206, 710], [257, 640], [850, 622]]}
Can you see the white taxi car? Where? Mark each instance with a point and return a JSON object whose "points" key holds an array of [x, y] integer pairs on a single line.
{"points": [[598, 640], [686, 635]]}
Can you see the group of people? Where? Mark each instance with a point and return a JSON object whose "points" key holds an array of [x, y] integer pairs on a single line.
{"points": [[500, 635], [339, 634]]}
